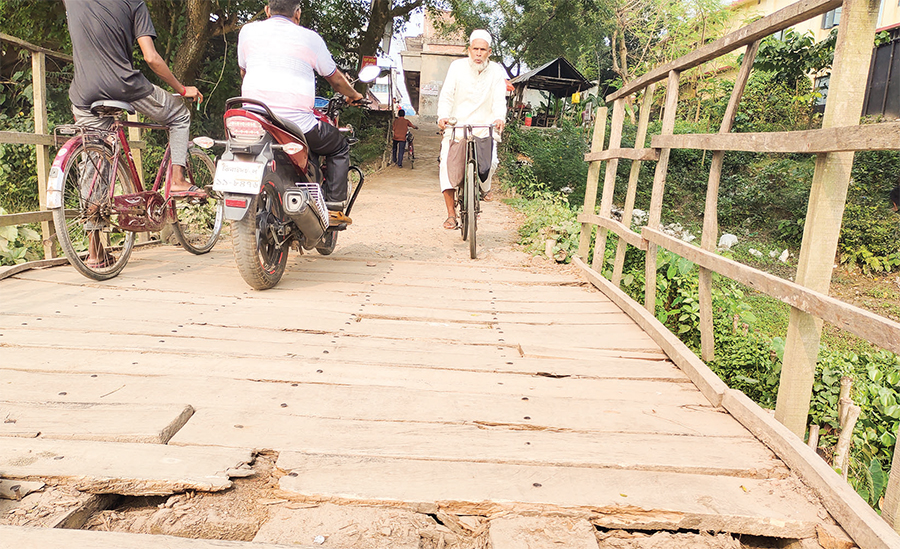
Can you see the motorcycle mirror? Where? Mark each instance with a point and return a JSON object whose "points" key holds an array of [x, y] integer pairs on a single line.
{"points": [[369, 73]]}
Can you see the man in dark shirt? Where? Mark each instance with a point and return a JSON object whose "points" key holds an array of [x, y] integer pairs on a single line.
{"points": [[103, 36], [401, 126]]}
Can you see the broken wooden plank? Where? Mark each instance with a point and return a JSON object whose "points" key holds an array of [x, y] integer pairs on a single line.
{"points": [[120, 422], [612, 498], [122, 468]]}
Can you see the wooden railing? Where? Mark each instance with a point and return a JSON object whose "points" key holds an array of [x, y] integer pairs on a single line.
{"points": [[834, 146], [42, 139]]}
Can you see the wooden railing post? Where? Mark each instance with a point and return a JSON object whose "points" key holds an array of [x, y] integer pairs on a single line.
{"points": [[41, 126], [711, 213], [659, 185], [631, 193], [890, 509], [609, 182], [134, 134], [590, 191], [853, 53]]}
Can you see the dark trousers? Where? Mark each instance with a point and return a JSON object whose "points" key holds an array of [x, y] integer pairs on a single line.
{"points": [[398, 152], [325, 140]]}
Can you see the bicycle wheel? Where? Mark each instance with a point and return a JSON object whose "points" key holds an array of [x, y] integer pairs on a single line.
{"points": [[199, 221], [461, 207], [471, 207], [92, 244], [412, 157]]}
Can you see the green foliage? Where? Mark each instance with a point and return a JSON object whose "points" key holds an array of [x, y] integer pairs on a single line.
{"points": [[792, 58], [870, 238], [548, 217], [19, 244], [770, 104], [536, 160]]}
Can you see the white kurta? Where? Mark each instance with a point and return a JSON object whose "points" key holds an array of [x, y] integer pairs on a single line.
{"points": [[472, 98]]}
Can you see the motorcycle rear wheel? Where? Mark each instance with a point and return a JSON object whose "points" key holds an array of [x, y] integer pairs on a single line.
{"points": [[259, 259]]}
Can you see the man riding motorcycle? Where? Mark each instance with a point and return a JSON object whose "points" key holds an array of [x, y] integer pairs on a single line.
{"points": [[279, 60]]}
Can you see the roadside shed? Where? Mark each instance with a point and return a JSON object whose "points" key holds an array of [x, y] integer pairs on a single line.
{"points": [[558, 77]]}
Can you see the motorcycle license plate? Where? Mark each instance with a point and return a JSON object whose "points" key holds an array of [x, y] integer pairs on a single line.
{"points": [[238, 177]]}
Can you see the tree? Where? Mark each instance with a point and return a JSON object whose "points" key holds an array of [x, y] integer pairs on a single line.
{"points": [[528, 33]]}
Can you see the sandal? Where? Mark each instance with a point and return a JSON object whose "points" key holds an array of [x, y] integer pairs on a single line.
{"points": [[488, 196], [451, 223], [99, 263], [193, 192]]}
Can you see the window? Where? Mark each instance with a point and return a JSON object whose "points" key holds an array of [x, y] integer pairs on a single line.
{"points": [[831, 19]]}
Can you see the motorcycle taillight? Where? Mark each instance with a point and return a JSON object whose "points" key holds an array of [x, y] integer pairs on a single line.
{"points": [[243, 130]]}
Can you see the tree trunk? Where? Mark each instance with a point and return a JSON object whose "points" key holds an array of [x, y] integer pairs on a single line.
{"points": [[196, 37], [381, 14]]}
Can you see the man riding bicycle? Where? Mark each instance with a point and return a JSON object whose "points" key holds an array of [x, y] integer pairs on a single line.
{"points": [[474, 92], [279, 60], [103, 34]]}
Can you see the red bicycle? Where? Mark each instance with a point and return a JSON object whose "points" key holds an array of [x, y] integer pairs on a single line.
{"points": [[98, 203]]}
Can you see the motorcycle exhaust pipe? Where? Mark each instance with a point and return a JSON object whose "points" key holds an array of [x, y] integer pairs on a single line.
{"points": [[303, 211]]}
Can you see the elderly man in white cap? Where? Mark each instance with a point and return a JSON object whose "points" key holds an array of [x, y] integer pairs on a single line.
{"points": [[474, 92]]}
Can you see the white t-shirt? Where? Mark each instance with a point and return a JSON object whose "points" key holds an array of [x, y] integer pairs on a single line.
{"points": [[280, 58]]}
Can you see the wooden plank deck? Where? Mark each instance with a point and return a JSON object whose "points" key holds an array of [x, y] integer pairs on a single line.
{"points": [[442, 388]]}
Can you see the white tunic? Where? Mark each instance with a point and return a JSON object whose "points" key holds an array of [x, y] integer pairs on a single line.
{"points": [[280, 60], [472, 98]]}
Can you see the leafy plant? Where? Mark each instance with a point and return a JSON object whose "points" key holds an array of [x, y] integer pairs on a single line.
{"points": [[18, 244]]}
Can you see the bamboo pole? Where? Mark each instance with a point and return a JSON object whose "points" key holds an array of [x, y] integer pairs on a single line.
{"points": [[659, 184], [41, 125], [639, 141], [711, 213], [609, 183], [590, 191], [853, 54]]}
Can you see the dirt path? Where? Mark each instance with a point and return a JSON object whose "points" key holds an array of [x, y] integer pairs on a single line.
{"points": [[400, 211]]}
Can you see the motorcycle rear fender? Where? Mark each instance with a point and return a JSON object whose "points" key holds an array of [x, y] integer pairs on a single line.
{"points": [[236, 205]]}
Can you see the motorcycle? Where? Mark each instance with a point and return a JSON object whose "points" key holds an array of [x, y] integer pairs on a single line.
{"points": [[272, 186]]}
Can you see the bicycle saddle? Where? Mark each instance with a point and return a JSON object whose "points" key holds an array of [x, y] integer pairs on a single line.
{"points": [[107, 107]]}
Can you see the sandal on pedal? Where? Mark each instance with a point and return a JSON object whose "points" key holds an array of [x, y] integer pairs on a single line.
{"points": [[451, 223], [193, 192], [488, 196]]}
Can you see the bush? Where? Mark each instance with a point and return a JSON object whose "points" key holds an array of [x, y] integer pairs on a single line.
{"points": [[552, 157]]}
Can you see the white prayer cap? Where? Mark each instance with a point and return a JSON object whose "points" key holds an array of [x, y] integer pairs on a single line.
{"points": [[480, 34]]}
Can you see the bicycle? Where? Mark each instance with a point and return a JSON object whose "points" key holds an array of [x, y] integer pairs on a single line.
{"points": [[410, 151], [468, 196], [98, 202]]}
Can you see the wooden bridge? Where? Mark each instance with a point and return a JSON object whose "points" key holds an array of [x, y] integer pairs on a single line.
{"points": [[397, 395]]}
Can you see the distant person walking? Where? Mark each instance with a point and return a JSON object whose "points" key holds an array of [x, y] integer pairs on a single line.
{"points": [[401, 126]]}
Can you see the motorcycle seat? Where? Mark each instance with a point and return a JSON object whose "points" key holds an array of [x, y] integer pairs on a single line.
{"points": [[282, 123]]}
